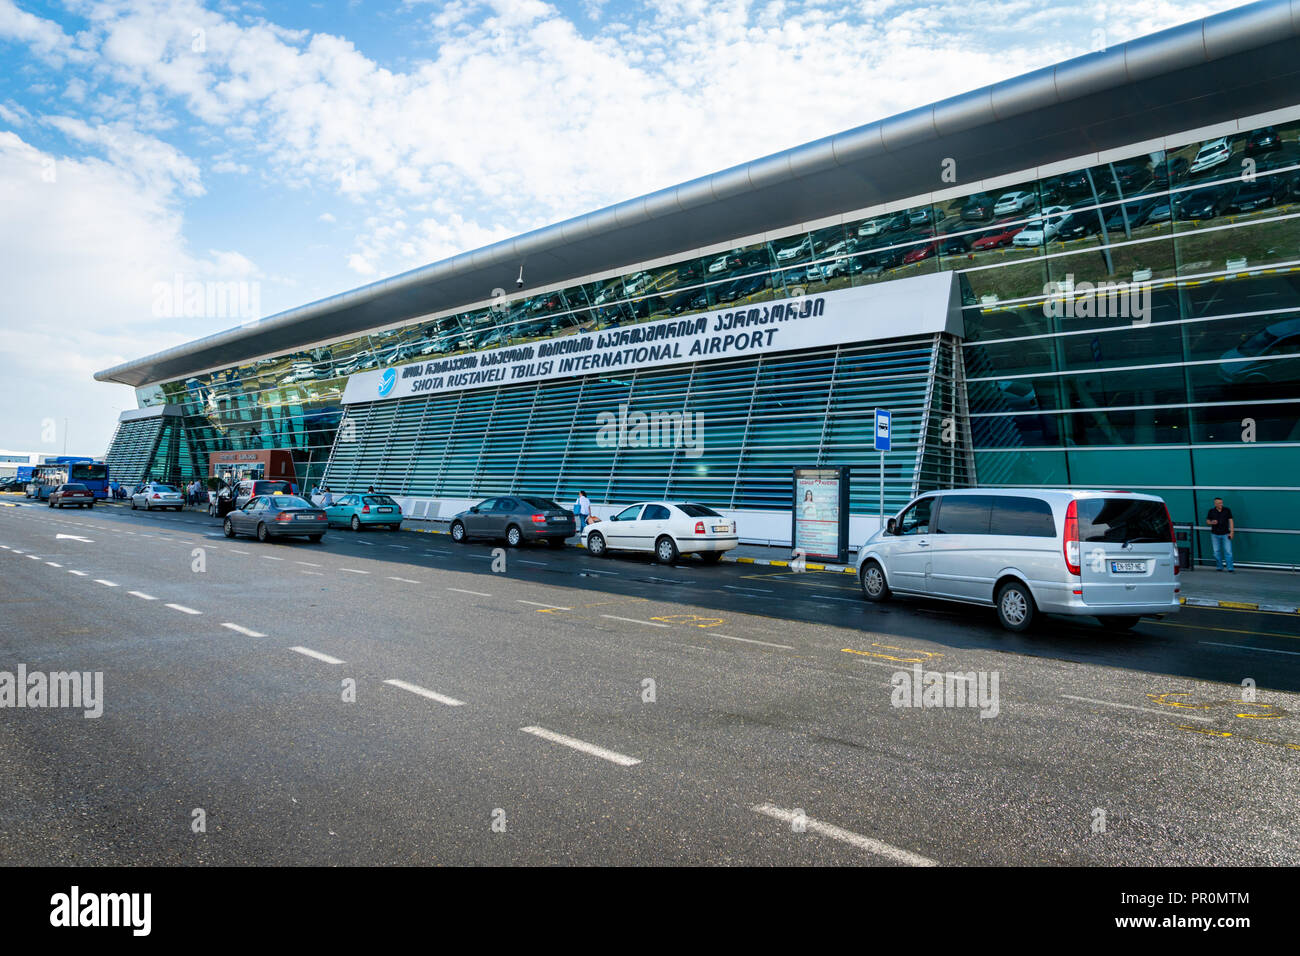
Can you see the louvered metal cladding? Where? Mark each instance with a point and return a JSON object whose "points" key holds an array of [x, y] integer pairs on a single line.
{"points": [[132, 449], [760, 417]]}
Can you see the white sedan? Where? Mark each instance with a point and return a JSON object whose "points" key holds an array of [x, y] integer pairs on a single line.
{"points": [[1042, 228], [157, 496], [665, 529], [1013, 202]]}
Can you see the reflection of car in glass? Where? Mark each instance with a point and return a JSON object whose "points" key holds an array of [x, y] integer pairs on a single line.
{"points": [[1160, 210], [803, 248], [1041, 228], [978, 208], [1270, 356], [667, 530], [1013, 202], [872, 227], [1170, 170], [516, 519], [362, 511], [748, 285], [917, 253], [691, 300], [1263, 141], [723, 263], [954, 246], [1263, 192], [1078, 223], [1214, 153], [1132, 214], [1203, 203], [1000, 235], [1018, 395]]}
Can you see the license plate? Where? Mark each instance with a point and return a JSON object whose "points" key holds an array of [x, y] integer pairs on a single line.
{"points": [[722, 527], [1128, 567], [305, 517], [385, 511]]}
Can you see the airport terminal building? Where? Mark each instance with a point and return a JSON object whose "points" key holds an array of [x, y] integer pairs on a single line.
{"points": [[1084, 277]]}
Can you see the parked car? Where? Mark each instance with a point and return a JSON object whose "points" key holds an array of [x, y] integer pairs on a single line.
{"points": [[72, 493], [362, 511], [1079, 223], [1259, 194], [999, 235], [250, 488], [1027, 552], [978, 208], [665, 529], [1269, 357], [1014, 202], [277, 516], [1130, 214], [800, 249], [1171, 170], [1042, 228], [923, 251], [155, 495], [1212, 154], [514, 519], [954, 246], [1203, 203], [1263, 141]]}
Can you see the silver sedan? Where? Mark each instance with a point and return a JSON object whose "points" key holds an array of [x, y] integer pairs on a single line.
{"points": [[154, 495]]}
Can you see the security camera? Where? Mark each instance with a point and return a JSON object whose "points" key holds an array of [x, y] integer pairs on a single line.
{"points": [[520, 281]]}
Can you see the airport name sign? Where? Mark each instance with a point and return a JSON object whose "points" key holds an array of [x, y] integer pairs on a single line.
{"points": [[916, 305]]}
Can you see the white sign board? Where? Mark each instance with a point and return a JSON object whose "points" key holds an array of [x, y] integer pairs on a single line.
{"points": [[913, 306]]}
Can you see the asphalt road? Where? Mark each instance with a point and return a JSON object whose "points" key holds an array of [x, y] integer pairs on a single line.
{"points": [[504, 716]]}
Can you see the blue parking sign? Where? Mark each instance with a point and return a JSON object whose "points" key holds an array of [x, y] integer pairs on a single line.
{"points": [[884, 421]]}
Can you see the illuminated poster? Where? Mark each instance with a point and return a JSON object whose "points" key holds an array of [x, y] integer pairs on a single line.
{"points": [[820, 518]]}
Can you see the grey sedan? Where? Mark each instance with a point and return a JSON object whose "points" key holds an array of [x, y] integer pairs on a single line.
{"points": [[154, 495], [516, 519], [277, 516]]}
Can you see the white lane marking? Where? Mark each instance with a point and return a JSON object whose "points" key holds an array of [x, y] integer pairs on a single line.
{"points": [[399, 547], [463, 591], [317, 574], [310, 564], [437, 552], [750, 640], [543, 564], [142, 596], [732, 587], [846, 836], [183, 609], [316, 654], [425, 692], [235, 551], [270, 558], [16, 551], [611, 755], [368, 544], [1240, 647], [553, 607], [34, 557], [1146, 710], [353, 571], [594, 571], [6, 547], [80, 574], [403, 580], [242, 630], [632, 620], [107, 584], [73, 537], [54, 564]]}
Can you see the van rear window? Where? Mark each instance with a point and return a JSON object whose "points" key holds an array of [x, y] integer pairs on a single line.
{"points": [[1027, 517], [1123, 519]]}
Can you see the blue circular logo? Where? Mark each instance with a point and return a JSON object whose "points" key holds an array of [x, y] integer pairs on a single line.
{"points": [[387, 381]]}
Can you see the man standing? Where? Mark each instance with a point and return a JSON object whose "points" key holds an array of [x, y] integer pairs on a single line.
{"points": [[581, 510], [1222, 528]]}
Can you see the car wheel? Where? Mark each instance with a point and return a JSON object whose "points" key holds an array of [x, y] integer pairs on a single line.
{"points": [[49, 502], [1123, 622], [1015, 606], [262, 534], [457, 532], [710, 557], [356, 524], [596, 545], [514, 537], [229, 528], [666, 550], [874, 586], [132, 504]]}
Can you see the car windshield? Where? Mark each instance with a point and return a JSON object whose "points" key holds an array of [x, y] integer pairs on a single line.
{"points": [[74, 487], [379, 500], [1123, 519], [161, 488], [1258, 342], [697, 511], [285, 502], [541, 504], [270, 487]]}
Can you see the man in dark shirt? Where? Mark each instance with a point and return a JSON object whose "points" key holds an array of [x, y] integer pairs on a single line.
{"points": [[1221, 525]]}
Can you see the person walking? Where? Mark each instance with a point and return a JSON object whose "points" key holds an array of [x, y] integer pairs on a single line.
{"points": [[326, 496], [1222, 528], [581, 511]]}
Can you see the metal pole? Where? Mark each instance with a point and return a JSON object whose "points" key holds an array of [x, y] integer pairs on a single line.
{"points": [[882, 489]]}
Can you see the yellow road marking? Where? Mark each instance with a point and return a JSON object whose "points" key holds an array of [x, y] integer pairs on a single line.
{"points": [[694, 620], [925, 655], [1226, 630]]}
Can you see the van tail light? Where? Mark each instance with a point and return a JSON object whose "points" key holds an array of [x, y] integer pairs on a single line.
{"points": [[1071, 545], [539, 519], [699, 527], [1173, 537], [365, 509]]}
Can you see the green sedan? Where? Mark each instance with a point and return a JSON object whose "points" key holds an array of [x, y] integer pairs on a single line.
{"points": [[362, 511]]}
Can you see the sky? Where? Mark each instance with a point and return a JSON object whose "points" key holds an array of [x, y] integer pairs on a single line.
{"points": [[283, 152]]}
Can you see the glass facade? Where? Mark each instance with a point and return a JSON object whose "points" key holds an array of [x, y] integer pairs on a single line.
{"points": [[1184, 380]]}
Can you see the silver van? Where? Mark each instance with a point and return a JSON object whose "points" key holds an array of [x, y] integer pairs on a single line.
{"points": [[1026, 552]]}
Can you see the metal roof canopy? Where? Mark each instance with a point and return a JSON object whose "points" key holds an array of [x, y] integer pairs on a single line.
{"points": [[1233, 64]]}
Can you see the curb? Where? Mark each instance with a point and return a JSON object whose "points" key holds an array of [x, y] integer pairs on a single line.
{"points": [[1238, 605]]}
